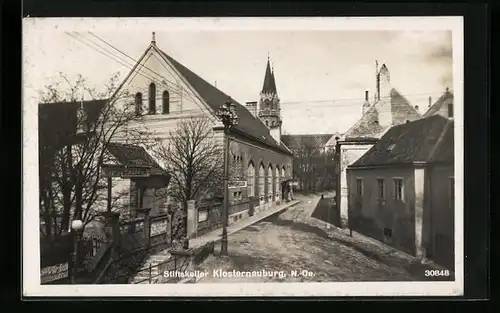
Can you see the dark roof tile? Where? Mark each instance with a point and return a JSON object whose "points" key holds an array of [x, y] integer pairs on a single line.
{"points": [[247, 123], [132, 155], [417, 141]]}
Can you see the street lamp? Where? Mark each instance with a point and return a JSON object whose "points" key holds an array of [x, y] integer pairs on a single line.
{"points": [[229, 118], [77, 227]]}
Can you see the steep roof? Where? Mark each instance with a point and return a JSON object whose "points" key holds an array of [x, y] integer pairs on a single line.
{"points": [[425, 140], [131, 155], [368, 127], [247, 123], [445, 99], [269, 85], [296, 141], [59, 119]]}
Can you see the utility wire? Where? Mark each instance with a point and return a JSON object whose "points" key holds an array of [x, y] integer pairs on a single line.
{"points": [[136, 61], [316, 103], [120, 61]]}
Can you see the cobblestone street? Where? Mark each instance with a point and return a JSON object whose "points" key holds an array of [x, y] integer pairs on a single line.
{"points": [[295, 241]]}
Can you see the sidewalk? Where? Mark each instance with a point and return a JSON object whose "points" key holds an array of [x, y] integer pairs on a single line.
{"points": [[374, 245], [216, 234]]}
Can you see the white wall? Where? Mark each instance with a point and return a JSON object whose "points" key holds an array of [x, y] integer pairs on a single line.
{"points": [[349, 153]]}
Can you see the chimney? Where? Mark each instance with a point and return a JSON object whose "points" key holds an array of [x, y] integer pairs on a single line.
{"points": [[366, 105], [430, 101], [252, 107], [383, 82]]}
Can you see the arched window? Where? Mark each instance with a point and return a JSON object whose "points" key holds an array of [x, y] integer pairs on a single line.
{"points": [[166, 102], [272, 123], [262, 180], [251, 179], [277, 182], [138, 103], [152, 99], [270, 183], [267, 123], [450, 109]]}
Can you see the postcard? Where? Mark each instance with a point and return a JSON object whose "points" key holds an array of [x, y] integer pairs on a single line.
{"points": [[243, 156]]}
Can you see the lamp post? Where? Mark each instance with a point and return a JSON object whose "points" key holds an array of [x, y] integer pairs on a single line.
{"points": [[229, 118], [76, 227]]}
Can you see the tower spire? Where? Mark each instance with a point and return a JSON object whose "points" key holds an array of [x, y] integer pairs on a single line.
{"points": [[153, 39], [268, 80]]}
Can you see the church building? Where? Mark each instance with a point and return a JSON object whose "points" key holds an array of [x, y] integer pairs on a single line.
{"points": [[170, 92]]}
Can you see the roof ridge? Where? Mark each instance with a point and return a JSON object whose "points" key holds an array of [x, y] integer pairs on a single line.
{"points": [[209, 93], [440, 140]]}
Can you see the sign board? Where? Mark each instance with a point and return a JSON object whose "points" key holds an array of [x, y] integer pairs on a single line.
{"points": [[202, 216], [237, 184], [125, 172], [294, 183], [53, 273]]}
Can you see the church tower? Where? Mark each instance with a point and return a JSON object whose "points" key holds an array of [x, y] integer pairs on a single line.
{"points": [[269, 104]]}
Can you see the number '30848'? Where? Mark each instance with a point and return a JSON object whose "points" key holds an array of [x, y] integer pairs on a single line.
{"points": [[434, 273]]}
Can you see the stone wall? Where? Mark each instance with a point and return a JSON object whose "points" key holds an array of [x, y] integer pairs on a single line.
{"points": [[390, 220]]}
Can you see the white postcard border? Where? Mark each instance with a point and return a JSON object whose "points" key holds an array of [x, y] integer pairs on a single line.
{"points": [[31, 253]]}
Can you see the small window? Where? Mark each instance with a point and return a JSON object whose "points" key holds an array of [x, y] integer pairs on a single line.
{"points": [[381, 188], [398, 189], [272, 123], [138, 103], [267, 123], [152, 99], [359, 187], [166, 102], [451, 192], [387, 233]]}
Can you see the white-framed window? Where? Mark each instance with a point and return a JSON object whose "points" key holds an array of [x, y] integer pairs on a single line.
{"points": [[398, 189], [277, 181], [270, 182], [251, 179], [451, 191], [262, 181], [359, 187], [381, 188]]}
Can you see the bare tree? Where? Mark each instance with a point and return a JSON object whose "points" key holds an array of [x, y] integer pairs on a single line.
{"points": [[193, 158], [70, 163], [306, 161]]}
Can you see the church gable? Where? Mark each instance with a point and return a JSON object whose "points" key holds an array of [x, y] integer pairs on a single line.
{"points": [[158, 89]]}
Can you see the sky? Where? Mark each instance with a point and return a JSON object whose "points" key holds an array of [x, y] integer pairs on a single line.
{"points": [[321, 75]]}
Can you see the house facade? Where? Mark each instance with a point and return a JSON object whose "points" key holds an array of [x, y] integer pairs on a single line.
{"points": [[168, 92], [389, 108], [401, 191]]}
